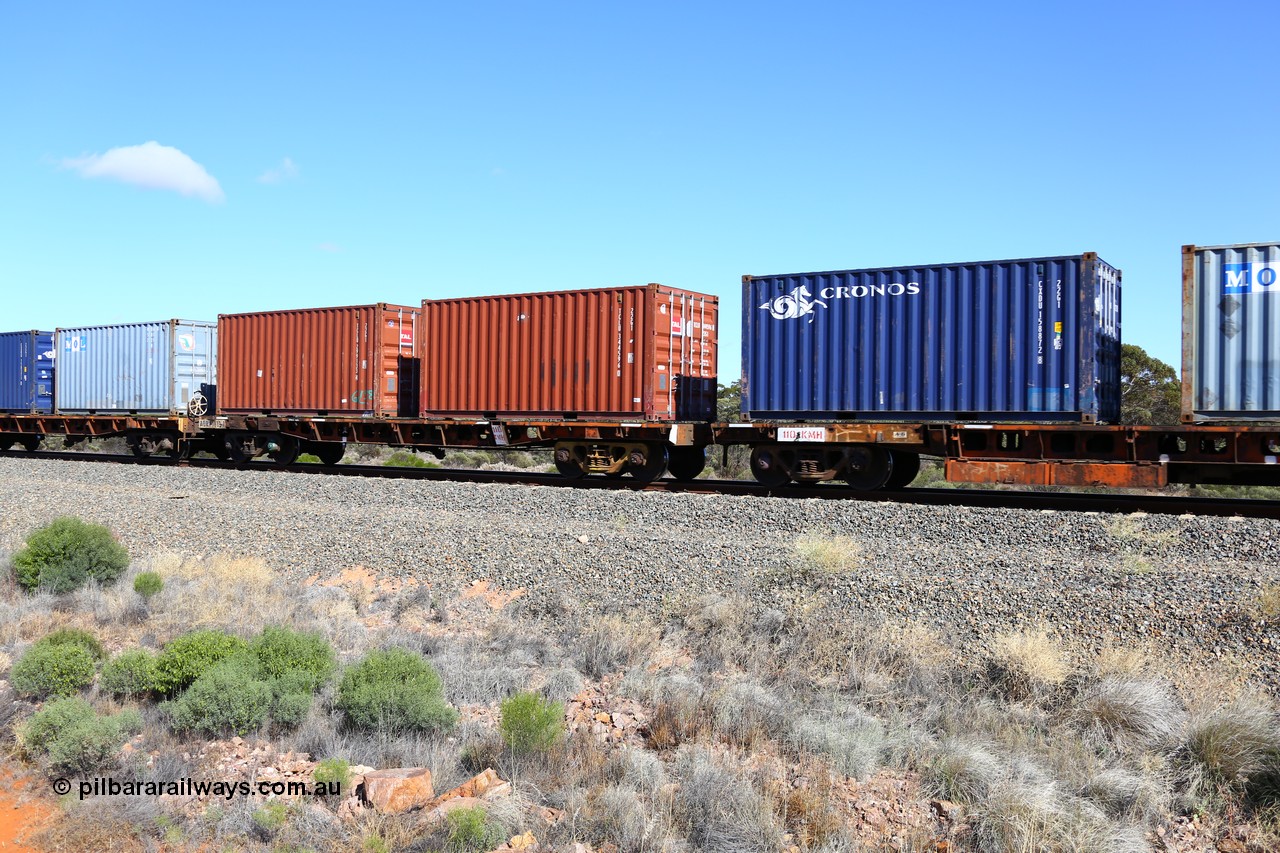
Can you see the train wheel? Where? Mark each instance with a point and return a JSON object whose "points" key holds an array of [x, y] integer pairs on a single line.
{"points": [[330, 452], [905, 468], [766, 469], [32, 443], [181, 450], [6, 443], [869, 468], [139, 445], [686, 463], [286, 452], [649, 466], [233, 450], [570, 469]]}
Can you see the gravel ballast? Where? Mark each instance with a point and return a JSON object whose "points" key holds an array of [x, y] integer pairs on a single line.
{"points": [[1188, 585]]}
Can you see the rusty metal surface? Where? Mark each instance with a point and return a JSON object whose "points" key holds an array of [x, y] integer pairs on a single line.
{"points": [[1119, 475], [646, 352], [354, 359]]}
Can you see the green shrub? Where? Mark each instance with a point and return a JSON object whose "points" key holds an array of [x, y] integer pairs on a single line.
{"points": [[394, 690], [148, 584], [75, 637], [288, 710], [130, 673], [404, 459], [75, 739], [230, 697], [52, 670], [186, 658], [331, 772], [470, 829], [271, 817], [306, 658], [308, 458], [531, 723], [64, 555]]}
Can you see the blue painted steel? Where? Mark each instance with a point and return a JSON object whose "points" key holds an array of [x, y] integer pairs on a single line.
{"points": [[135, 367], [1033, 339], [26, 371], [1231, 332]]}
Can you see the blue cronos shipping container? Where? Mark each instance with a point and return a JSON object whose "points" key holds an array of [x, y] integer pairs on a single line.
{"points": [[26, 371], [1231, 332], [1032, 339], [135, 367]]}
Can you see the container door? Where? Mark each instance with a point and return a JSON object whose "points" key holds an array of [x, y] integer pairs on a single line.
{"points": [[194, 352], [684, 367], [44, 366]]}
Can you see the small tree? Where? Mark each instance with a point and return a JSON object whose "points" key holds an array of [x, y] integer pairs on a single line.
{"points": [[148, 584], [531, 723], [1150, 392]]}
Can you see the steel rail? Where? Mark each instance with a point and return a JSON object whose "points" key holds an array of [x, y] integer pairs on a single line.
{"points": [[1109, 502]]}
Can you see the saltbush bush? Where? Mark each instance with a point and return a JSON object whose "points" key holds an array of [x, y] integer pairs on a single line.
{"points": [[394, 690], [305, 658], [52, 670], [130, 673], [186, 658], [148, 584], [67, 553], [230, 697], [531, 723], [74, 739], [75, 637]]}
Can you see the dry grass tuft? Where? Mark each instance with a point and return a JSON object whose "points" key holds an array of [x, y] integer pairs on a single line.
{"points": [[212, 592], [1234, 742], [1268, 601], [612, 643], [1027, 665], [828, 555], [963, 771], [1132, 713]]}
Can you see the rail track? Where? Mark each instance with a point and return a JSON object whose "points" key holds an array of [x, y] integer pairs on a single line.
{"points": [[1009, 499]]}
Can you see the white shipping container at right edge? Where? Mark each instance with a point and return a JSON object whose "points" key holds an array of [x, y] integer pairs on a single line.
{"points": [[1231, 332]]}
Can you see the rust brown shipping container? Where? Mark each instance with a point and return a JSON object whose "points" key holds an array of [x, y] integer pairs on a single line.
{"points": [[360, 360], [645, 353]]}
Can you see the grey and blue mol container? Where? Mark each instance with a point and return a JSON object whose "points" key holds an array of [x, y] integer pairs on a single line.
{"points": [[1036, 339], [1231, 332], [26, 372], [144, 368]]}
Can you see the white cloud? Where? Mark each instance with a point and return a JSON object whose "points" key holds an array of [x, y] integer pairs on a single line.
{"points": [[286, 171], [150, 165]]}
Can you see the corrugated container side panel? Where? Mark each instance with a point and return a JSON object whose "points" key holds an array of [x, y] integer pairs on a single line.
{"points": [[26, 371], [1231, 331], [135, 367], [1011, 338], [571, 353], [344, 359]]}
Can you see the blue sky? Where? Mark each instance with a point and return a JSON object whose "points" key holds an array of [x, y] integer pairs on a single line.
{"points": [[324, 153]]}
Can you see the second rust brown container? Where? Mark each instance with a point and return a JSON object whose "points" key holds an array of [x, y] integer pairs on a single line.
{"points": [[359, 360], [644, 353]]}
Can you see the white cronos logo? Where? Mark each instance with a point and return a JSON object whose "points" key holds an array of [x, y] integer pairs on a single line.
{"points": [[797, 303], [800, 301]]}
